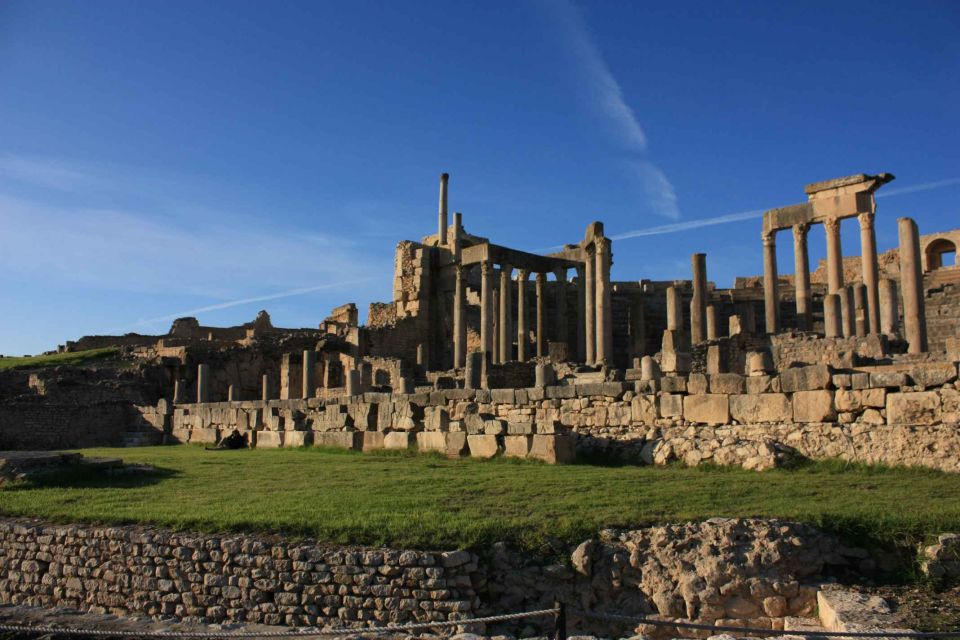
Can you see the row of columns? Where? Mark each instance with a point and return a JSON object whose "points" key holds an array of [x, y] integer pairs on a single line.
{"points": [[859, 309], [595, 317]]}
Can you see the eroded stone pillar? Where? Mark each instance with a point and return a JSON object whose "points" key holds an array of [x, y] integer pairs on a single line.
{"points": [[266, 390], [604, 305], [831, 315], [506, 317], [674, 310], [203, 383], [590, 318], [353, 382], [847, 313], [457, 233], [233, 393], [522, 275], [801, 265], [309, 364], [860, 323], [541, 334], [581, 315], [486, 307], [698, 305], [495, 354], [179, 391], [459, 320], [911, 287], [712, 332], [871, 270], [771, 298], [834, 255], [442, 223], [561, 311], [889, 307]]}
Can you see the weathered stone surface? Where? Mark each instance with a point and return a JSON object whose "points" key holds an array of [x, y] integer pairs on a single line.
{"points": [[764, 407], [808, 378], [933, 374], [921, 407], [516, 446], [552, 448], [373, 440], [457, 444], [697, 384], [813, 406], [708, 408], [398, 440], [671, 405], [432, 441], [728, 383], [482, 446], [888, 379], [643, 409], [269, 439], [338, 439], [297, 439]]}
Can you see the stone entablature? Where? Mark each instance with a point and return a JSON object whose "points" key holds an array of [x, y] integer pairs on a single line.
{"points": [[548, 422]]}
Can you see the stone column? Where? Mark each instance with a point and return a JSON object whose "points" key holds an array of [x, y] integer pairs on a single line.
{"points": [[712, 332], [265, 390], [871, 270], [581, 315], [860, 323], [801, 270], [457, 232], [506, 318], [353, 383], [495, 355], [698, 305], [486, 308], [674, 310], [309, 364], [847, 321], [233, 394], [442, 231], [541, 334], [831, 315], [911, 287], [459, 320], [771, 299], [179, 391], [561, 311], [522, 275], [834, 255], [203, 383], [604, 324], [889, 307], [590, 318]]}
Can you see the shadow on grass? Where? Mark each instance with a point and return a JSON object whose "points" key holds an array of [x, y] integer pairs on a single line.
{"points": [[81, 477]]}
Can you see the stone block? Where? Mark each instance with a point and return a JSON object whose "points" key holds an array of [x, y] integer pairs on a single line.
{"points": [[715, 362], [372, 440], [518, 428], [888, 379], [920, 407], [848, 400], [764, 407], [859, 380], [673, 384], [876, 398], [758, 363], [456, 444], [269, 439], [841, 380], [398, 440], [502, 396], [675, 362], [208, 435], [589, 389], [813, 406], [494, 427], [671, 405], [432, 441], [728, 383], [933, 374], [614, 389], [436, 419], [517, 446], [553, 448], [297, 439], [643, 409], [697, 384], [759, 384], [810, 378], [338, 439], [482, 446], [560, 391], [707, 408]]}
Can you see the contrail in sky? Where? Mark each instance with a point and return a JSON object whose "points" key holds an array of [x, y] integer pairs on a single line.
{"points": [[756, 213], [236, 303]]}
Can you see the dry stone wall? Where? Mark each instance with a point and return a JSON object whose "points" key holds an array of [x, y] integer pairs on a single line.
{"points": [[885, 415]]}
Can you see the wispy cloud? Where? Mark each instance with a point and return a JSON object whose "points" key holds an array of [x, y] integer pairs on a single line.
{"points": [[47, 173], [689, 224], [928, 186], [605, 95]]}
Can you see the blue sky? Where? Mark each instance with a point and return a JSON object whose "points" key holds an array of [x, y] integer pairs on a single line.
{"points": [[211, 158]]}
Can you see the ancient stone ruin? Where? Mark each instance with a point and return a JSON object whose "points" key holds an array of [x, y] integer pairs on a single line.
{"points": [[488, 350]]}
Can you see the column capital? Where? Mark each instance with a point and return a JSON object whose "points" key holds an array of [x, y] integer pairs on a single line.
{"points": [[602, 244], [486, 268], [800, 231], [832, 224], [523, 275], [541, 277], [769, 238], [866, 220]]}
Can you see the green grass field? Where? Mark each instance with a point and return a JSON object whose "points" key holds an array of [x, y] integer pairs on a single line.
{"points": [[74, 358], [429, 501]]}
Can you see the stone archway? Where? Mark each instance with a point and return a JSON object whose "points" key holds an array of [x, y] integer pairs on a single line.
{"points": [[941, 252]]}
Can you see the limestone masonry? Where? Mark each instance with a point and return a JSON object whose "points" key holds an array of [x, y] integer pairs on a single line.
{"points": [[487, 350]]}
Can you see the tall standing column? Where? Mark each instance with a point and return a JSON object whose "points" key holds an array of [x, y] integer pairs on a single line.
{"points": [[712, 332], [834, 255], [911, 287], [771, 299], [459, 321], [590, 318], [506, 324], [871, 270], [698, 305], [801, 270], [265, 390], [308, 386], [495, 356], [522, 275], [604, 325], [561, 311], [831, 316], [486, 308], [457, 233], [581, 315], [541, 334], [889, 307], [442, 222], [674, 310], [203, 383]]}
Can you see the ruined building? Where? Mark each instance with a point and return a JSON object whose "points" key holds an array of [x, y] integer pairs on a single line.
{"points": [[486, 349]]}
